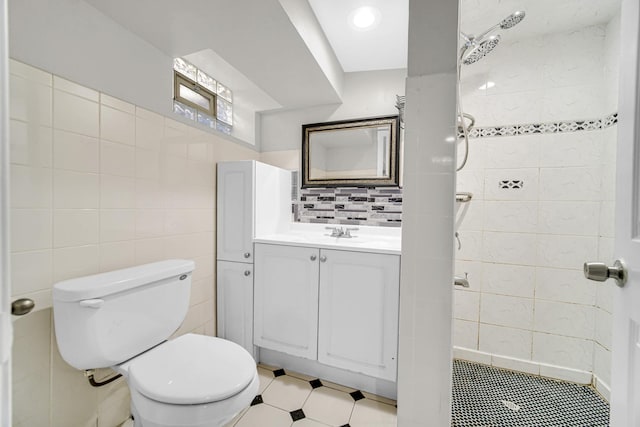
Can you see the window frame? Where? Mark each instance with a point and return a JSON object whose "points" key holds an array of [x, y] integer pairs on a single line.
{"points": [[180, 79]]}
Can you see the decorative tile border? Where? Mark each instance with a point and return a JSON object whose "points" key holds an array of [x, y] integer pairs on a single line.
{"points": [[538, 128]]}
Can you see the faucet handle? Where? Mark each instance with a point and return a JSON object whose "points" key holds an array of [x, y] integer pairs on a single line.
{"points": [[348, 230], [335, 231]]}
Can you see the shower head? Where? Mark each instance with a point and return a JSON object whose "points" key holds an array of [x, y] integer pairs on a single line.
{"points": [[512, 20], [476, 51]]}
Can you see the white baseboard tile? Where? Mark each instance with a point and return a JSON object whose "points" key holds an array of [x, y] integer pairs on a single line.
{"points": [[526, 366], [472, 355], [603, 388], [514, 364], [566, 374]]}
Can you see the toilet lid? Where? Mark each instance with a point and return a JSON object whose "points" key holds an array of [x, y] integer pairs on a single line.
{"points": [[192, 369]]}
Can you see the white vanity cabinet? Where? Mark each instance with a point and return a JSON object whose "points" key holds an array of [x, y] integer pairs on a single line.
{"points": [[337, 307], [286, 299], [358, 312], [235, 303]]}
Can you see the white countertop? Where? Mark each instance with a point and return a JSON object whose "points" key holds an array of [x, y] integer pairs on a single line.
{"points": [[366, 239]]}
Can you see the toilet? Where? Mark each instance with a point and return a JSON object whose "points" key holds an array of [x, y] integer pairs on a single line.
{"points": [[123, 320]]}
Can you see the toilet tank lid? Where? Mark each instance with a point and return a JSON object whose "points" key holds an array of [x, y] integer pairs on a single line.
{"points": [[103, 284]]}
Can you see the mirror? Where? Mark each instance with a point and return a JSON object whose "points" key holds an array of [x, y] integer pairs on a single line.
{"points": [[351, 153]]}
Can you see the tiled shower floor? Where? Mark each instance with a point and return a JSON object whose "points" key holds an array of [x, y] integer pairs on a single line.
{"points": [[488, 397]]}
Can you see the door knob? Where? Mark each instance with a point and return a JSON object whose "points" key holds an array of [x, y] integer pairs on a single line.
{"points": [[600, 272], [22, 306]]}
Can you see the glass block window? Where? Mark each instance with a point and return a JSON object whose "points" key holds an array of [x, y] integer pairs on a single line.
{"points": [[201, 98]]}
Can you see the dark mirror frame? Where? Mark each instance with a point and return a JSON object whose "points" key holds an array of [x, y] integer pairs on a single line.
{"points": [[394, 161]]}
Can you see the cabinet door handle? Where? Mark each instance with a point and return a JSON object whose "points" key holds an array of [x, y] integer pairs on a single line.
{"points": [[247, 273], [323, 258], [312, 257], [247, 254]]}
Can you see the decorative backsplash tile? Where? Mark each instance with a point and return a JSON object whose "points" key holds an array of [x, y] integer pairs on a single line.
{"points": [[376, 206], [533, 128]]}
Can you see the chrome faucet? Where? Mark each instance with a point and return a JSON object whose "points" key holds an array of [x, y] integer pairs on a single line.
{"points": [[341, 232]]}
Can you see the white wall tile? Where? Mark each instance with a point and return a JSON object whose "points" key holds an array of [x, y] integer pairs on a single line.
{"points": [[570, 183], [509, 248], [579, 218], [510, 152], [604, 295], [571, 149], [117, 192], [117, 224], [118, 104], [511, 216], [34, 187], [472, 181], [29, 72], [576, 353], [606, 248], [565, 251], [604, 328], [75, 190], [117, 159], [149, 194], [562, 285], [31, 271], [75, 152], [514, 364], [149, 133], [473, 270], [31, 229], [505, 341], [147, 164], [31, 144], [528, 176], [30, 101], [117, 126], [562, 373], [465, 334], [75, 114], [506, 279], [466, 305], [469, 216], [75, 89], [572, 102], [470, 245], [76, 261], [508, 311], [117, 255], [607, 219], [602, 363], [149, 250], [564, 319], [149, 223], [75, 227]]}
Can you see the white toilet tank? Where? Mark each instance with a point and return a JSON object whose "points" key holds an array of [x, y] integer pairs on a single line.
{"points": [[107, 318]]}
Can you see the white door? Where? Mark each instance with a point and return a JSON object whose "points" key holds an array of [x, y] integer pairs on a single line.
{"points": [[625, 383], [286, 299], [358, 315], [235, 303], [235, 211], [6, 332]]}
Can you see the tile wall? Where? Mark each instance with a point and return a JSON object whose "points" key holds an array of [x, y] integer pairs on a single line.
{"points": [[99, 184], [529, 307]]}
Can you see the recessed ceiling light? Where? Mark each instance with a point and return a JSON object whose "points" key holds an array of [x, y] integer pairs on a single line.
{"points": [[364, 18]]}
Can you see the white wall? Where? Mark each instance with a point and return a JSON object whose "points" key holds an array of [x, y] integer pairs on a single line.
{"points": [[99, 184], [74, 40], [365, 94], [529, 306]]}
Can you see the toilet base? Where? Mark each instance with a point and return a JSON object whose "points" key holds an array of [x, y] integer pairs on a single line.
{"points": [[215, 414]]}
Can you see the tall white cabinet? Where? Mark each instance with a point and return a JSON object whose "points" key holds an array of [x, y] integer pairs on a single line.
{"points": [[252, 198]]}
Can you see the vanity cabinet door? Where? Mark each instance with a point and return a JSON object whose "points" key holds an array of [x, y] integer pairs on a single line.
{"points": [[286, 299], [358, 314], [235, 303]]}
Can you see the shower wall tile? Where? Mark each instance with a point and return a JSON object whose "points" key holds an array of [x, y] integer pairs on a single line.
{"points": [[506, 311], [508, 342], [94, 189], [466, 305], [505, 279], [465, 334], [542, 169]]}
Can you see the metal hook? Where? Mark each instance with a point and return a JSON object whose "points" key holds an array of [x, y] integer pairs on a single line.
{"points": [[458, 239]]}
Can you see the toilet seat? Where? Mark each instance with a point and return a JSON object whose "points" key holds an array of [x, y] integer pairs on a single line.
{"points": [[210, 370]]}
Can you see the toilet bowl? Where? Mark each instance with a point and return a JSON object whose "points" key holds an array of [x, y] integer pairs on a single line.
{"points": [[192, 380], [122, 320]]}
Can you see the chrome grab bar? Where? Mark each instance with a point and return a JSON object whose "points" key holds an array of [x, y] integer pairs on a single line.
{"points": [[464, 197]]}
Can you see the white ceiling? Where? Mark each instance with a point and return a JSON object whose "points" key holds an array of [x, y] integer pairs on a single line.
{"points": [[382, 47]]}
